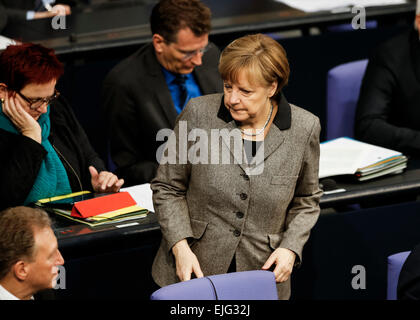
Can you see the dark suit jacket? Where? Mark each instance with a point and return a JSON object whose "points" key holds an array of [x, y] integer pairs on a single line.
{"points": [[138, 104], [388, 112], [409, 280]]}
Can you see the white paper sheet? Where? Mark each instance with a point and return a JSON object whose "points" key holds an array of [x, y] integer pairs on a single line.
{"points": [[320, 5], [142, 194], [5, 42], [344, 156]]}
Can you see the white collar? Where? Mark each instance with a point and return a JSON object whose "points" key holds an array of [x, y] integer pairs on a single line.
{"points": [[6, 295]]}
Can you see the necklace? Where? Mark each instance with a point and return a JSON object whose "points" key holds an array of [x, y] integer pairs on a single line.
{"points": [[258, 132]]}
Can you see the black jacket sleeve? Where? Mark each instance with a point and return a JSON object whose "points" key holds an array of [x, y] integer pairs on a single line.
{"points": [[380, 116], [75, 151], [409, 279], [20, 161]]}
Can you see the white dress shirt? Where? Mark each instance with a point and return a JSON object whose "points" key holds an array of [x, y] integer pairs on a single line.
{"points": [[6, 295]]}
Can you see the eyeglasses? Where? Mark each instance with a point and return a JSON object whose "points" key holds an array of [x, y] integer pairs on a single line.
{"points": [[190, 54], [34, 104]]}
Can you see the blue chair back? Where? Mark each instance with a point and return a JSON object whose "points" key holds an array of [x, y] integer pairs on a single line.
{"points": [[245, 285], [343, 88], [395, 264]]}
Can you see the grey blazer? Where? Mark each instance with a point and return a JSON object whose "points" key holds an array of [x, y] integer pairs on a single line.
{"points": [[224, 212]]}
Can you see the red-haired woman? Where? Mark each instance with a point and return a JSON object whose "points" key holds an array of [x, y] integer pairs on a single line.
{"points": [[44, 150]]}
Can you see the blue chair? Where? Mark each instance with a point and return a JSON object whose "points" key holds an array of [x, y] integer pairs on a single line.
{"points": [[343, 88], [245, 285], [395, 264]]}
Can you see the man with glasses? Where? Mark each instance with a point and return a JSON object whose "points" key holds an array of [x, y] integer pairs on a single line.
{"points": [[29, 255], [146, 92]]}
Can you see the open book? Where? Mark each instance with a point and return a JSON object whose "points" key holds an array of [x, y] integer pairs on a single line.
{"points": [[345, 156]]}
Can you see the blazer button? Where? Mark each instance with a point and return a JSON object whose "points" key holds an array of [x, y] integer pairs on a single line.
{"points": [[239, 215], [243, 196], [246, 177], [236, 233]]}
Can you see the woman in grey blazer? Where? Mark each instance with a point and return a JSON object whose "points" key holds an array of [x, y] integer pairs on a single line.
{"points": [[237, 186]]}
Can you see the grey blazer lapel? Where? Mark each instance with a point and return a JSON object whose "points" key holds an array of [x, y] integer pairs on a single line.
{"points": [[275, 137], [232, 139], [272, 141]]}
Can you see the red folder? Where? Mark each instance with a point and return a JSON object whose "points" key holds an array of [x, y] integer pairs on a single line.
{"points": [[104, 204]]}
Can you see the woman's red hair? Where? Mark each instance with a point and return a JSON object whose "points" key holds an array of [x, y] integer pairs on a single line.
{"points": [[27, 63]]}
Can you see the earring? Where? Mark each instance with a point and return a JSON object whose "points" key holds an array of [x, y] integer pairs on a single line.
{"points": [[2, 100]]}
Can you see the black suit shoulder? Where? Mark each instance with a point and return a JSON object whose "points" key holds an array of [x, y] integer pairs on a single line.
{"points": [[409, 279], [134, 67], [393, 52]]}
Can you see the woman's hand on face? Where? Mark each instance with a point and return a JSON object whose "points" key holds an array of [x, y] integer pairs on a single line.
{"points": [[284, 260], [105, 182], [186, 261], [22, 120]]}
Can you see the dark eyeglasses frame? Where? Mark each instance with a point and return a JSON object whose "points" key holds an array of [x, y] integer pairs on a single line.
{"points": [[191, 54], [47, 100]]}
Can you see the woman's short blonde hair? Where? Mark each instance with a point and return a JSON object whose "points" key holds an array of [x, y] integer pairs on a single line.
{"points": [[263, 60]]}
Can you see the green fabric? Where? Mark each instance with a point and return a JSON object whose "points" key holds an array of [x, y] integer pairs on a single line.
{"points": [[52, 179]]}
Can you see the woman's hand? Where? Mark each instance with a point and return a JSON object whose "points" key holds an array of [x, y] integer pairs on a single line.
{"points": [[57, 10], [284, 260], [61, 9], [186, 261], [22, 120], [104, 182]]}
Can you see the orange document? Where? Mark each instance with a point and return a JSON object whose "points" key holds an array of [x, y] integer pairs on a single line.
{"points": [[104, 204]]}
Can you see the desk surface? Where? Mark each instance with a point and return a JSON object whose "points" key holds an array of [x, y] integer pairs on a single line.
{"points": [[111, 26], [70, 234], [405, 184]]}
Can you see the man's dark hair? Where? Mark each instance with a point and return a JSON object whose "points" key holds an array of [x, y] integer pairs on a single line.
{"points": [[170, 16]]}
